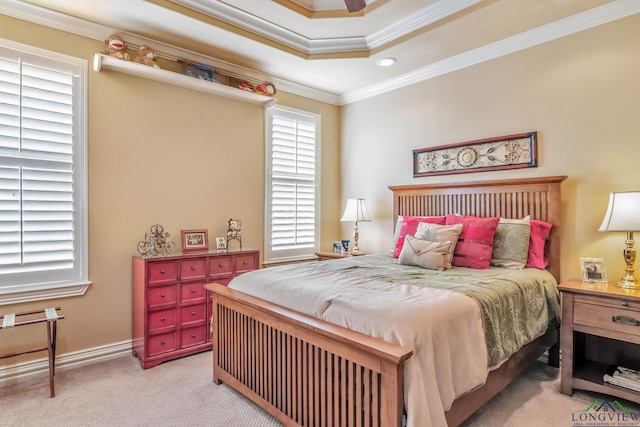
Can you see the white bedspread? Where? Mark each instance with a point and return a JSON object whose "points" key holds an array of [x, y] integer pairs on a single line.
{"points": [[444, 328]]}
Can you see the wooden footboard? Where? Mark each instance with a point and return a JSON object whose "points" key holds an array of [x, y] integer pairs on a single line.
{"points": [[301, 370]]}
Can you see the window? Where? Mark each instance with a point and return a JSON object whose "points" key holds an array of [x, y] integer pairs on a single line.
{"points": [[292, 185], [43, 201]]}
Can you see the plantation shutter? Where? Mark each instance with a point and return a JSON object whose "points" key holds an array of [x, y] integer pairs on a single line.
{"points": [[37, 172], [293, 191]]}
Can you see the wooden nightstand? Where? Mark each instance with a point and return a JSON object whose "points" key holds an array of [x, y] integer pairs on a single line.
{"points": [[323, 256], [600, 327]]}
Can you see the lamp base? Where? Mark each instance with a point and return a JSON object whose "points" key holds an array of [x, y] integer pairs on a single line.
{"points": [[356, 252], [628, 283]]}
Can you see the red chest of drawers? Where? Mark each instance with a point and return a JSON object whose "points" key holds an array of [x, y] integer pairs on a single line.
{"points": [[171, 308]]}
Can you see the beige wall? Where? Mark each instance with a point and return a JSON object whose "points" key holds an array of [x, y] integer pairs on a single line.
{"points": [[160, 154], [581, 93]]}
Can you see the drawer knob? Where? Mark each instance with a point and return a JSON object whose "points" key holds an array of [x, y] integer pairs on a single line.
{"points": [[220, 265], [162, 271], [162, 319], [193, 313], [162, 342], [193, 267], [193, 335], [625, 320], [162, 295], [193, 291], [246, 262], [625, 304]]}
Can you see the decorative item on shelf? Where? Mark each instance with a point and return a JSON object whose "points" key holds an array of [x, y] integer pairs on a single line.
{"points": [[623, 214], [262, 88], [356, 211], [195, 240], [221, 244], [267, 89], [156, 243], [337, 247], [202, 71], [234, 231], [146, 56], [115, 46]]}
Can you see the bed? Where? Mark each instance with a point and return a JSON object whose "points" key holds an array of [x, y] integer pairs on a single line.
{"points": [[307, 371]]}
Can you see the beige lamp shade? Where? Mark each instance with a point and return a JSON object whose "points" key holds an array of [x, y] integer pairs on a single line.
{"points": [[356, 210]]}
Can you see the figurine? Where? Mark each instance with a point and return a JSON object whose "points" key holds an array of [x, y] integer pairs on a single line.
{"points": [[115, 46], [146, 56]]}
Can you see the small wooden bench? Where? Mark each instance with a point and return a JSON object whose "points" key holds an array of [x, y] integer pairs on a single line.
{"points": [[51, 318]]}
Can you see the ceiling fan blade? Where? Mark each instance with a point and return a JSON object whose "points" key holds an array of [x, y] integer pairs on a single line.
{"points": [[355, 5]]}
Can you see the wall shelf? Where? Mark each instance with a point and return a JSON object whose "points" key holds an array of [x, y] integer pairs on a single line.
{"points": [[107, 62]]}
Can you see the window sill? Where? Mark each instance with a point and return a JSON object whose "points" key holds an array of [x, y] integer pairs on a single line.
{"points": [[9, 296], [292, 260]]}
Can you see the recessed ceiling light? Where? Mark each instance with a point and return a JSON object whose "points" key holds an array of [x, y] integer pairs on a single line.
{"points": [[385, 62]]}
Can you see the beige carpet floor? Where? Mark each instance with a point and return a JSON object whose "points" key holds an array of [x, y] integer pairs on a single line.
{"points": [[181, 393]]}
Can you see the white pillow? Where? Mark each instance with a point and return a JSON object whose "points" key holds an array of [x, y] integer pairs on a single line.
{"points": [[440, 233], [423, 253]]}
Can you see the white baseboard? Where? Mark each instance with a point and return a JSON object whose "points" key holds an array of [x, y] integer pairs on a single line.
{"points": [[21, 371]]}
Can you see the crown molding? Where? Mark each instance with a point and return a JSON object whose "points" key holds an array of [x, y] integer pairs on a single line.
{"points": [[583, 21], [416, 21], [327, 46], [615, 10]]}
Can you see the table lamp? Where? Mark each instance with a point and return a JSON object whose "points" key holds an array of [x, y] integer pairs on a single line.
{"points": [[623, 214], [356, 210]]}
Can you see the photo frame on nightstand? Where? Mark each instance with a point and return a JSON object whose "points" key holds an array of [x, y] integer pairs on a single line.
{"points": [[593, 270]]}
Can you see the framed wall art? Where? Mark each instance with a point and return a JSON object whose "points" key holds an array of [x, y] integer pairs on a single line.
{"points": [[503, 152], [195, 240], [593, 270]]}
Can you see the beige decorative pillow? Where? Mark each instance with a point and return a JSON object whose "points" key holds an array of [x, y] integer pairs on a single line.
{"points": [[440, 233], [424, 253], [511, 243]]}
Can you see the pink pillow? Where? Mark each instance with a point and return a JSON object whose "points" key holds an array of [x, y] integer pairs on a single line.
{"points": [[475, 244], [538, 256], [410, 225]]}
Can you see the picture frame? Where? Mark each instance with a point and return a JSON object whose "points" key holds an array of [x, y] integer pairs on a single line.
{"points": [[337, 247], [345, 246], [593, 270], [221, 243], [489, 154], [195, 240]]}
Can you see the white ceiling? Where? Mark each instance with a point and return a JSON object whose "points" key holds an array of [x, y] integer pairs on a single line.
{"points": [[315, 48]]}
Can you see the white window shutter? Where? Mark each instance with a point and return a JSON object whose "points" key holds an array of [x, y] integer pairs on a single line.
{"points": [[292, 224], [42, 172]]}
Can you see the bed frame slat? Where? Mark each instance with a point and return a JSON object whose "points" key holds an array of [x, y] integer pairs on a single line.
{"points": [[326, 376]]}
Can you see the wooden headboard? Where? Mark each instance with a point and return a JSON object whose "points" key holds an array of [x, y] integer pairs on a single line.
{"points": [[537, 197]]}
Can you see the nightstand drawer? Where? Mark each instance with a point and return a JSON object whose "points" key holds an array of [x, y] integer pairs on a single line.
{"points": [[608, 317]]}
